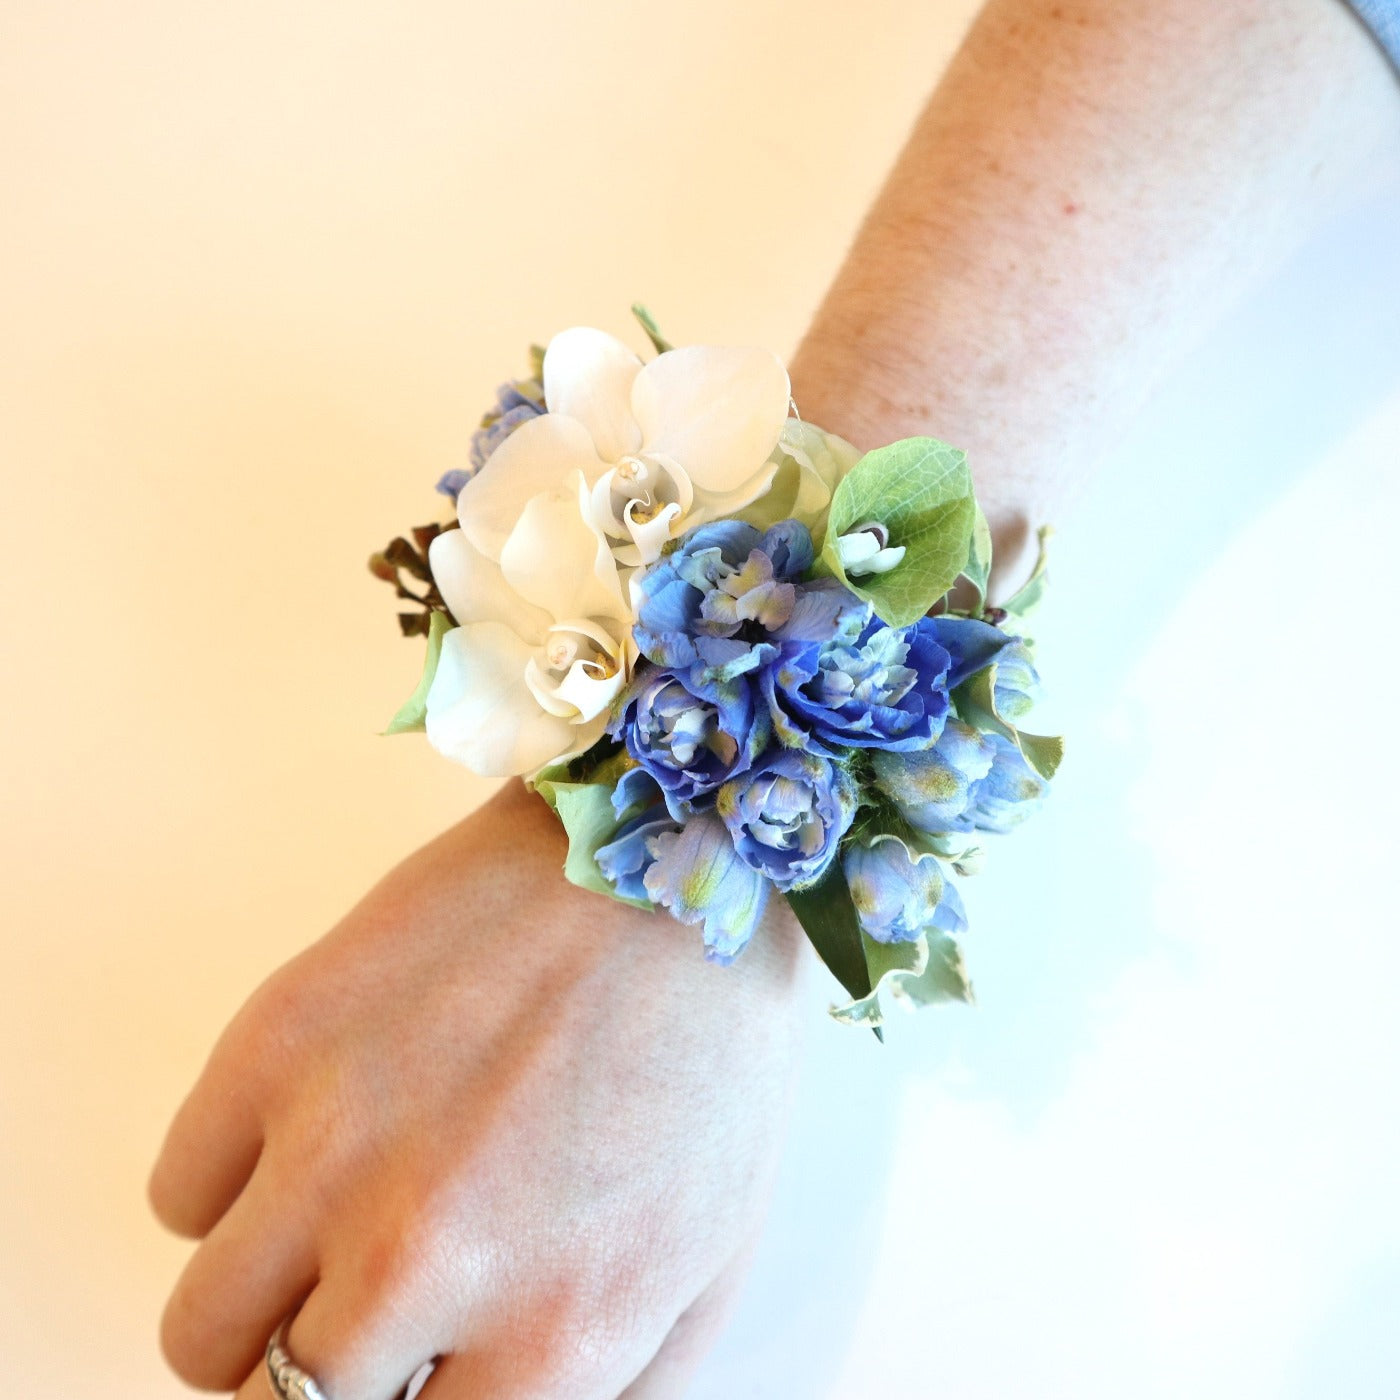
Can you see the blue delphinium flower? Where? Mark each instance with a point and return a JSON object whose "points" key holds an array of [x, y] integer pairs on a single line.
{"points": [[884, 687], [451, 483], [626, 859], [730, 598], [698, 876], [690, 738], [516, 403], [950, 917], [896, 893], [1009, 792], [787, 815], [970, 644], [932, 788], [1017, 682]]}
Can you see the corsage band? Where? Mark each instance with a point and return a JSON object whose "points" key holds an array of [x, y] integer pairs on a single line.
{"points": [[725, 646]]}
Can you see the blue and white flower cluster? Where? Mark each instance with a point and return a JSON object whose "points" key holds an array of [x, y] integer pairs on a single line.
{"points": [[772, 692], [723, 644]]}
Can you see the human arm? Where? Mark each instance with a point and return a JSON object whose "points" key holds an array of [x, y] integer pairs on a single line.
{"points": [[1087, 190]]}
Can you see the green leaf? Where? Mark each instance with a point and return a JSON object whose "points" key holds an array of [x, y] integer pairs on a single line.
{"points": [[644, 319], [885, 963], [918, 974], [921, 490], [1027, 598], [605, 762], [586, 812], [944, 978], [976, 702], [826, 913], [411, 714], [1044, 752], [979, 556]]}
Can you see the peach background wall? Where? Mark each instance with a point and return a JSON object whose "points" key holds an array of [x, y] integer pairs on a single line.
{"points": [[260, 267]]}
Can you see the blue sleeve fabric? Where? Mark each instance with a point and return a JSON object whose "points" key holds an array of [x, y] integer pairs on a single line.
{"points": [[1382, 18]]}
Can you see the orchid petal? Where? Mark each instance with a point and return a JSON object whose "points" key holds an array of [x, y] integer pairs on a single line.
{"points": [[538, 456], [555, 560], [649, 536], [589, 692], [475, 590], [719, 505], [480, 711], [588, 375], [717, 411]]}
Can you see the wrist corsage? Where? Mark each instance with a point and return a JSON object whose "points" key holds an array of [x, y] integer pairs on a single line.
{"points": [[726, 648]]}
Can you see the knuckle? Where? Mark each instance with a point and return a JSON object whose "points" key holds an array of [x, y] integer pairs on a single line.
{"points": [[400, 1272], [580, 1320], [272, 1024]]}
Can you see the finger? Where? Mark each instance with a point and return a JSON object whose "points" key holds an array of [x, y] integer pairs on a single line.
{"points": [[256, 1387], [509, 1366], [688, 1343], [210, 1151], [360, 1339], [254, 1267]]}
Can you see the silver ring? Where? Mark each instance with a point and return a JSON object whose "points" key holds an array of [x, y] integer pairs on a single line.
{"points": [[288, 1380]]}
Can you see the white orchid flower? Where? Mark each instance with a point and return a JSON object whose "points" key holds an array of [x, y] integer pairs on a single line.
{"points": [[544, 641], [662, 447]]}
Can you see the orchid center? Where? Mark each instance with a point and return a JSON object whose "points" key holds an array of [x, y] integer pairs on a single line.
{"points": [[577, 670], [561, 652], [640, 503]]}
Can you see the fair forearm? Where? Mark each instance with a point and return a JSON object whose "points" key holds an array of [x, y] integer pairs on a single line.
{"points": [[1088, 187]]}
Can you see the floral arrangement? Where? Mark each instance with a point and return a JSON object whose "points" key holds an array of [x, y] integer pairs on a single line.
{"points": [[736, 656]]}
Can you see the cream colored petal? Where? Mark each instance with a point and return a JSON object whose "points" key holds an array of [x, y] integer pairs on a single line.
{"points": [[481, 712], [475, 590], [588, 375], [540, 455], [715, 505], [811, 463], [556, 560], [545, 689], [717, 411], [828, 456], [649, 537], [589, 692]]}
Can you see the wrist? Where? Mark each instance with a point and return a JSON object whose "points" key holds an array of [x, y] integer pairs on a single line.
{"points": [[774, 958]]}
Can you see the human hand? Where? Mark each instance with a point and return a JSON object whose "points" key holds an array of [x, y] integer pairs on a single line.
{"points": [[490, 1118]]}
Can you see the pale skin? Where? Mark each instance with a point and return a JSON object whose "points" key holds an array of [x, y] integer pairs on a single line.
{"points": [[494, 1119]]}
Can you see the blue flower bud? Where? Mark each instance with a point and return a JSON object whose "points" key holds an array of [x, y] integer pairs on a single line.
{"points": [[697, 875], [932, 788], [787, 815], [1018, 682], [626, 859], [690, 738], [1009, 792], [896, 894]]}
